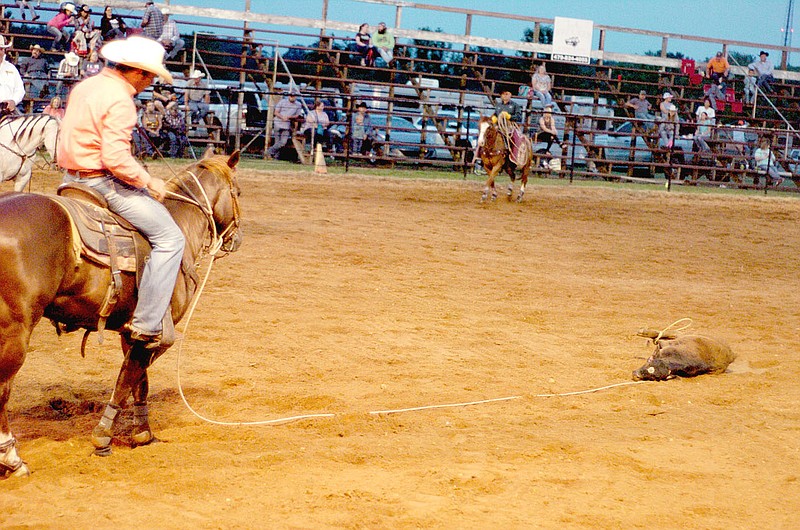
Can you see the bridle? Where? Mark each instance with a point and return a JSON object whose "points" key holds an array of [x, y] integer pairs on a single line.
{"points": [[218, 239]]}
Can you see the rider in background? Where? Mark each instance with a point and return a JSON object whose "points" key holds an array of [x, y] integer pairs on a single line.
{"points": [[507, 105], [12, 89], [94, 147]]}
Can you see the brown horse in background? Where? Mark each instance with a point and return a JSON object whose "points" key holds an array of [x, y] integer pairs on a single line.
{"points": [[504, 147], [42, 275]]}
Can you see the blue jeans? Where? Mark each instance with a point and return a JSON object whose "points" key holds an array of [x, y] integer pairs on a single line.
{"points": [[156, 224]]}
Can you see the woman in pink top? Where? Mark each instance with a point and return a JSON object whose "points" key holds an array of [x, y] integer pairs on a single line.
{"points": [[57, 26], [55, 108]]}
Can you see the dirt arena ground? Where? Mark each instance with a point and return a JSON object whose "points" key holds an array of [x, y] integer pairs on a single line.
{"points": [[354, 294]]}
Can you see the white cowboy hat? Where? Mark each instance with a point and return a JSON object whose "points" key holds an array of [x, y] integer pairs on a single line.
{"points": [[3, 44], [138, 52], [165, 11], [72, 58], [196, 74], [69, 7]]}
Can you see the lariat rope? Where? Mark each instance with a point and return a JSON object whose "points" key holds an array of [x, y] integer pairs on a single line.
{"points": [[661, 333]]}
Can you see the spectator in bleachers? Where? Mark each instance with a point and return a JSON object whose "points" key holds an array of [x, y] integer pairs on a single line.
{"points": [[55, 108], [152, 21], [170, 36], [716, 90], [718, 68], [86, 35], [666, 101], [360, 130], [12, 90], [384, 43], [23, 5], [316, 125], [197, 96], [548, 132], [764, 69], [112, 26], [708, 109], [68, 72], [669, 127], [163, 97], [703, 132], [57, 26], [91, 65], [152, 122], [35, 69], [641, 109], [364, 45], [750, 86], [175, 130], [766, 163], [286, 110], [541, 85]]}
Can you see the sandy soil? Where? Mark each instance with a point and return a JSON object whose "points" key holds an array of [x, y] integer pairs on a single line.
{"points": [[355, 294]]}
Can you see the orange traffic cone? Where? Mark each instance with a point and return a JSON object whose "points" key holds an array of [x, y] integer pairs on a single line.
{"points": [[319, 161]]}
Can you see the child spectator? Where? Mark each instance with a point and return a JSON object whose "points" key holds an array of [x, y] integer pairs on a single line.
{"points": [[57, 26], [750, 86], [360, 130], [316, 125]]}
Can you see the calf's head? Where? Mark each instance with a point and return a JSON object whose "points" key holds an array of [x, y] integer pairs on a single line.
{"points": [[652, 370]]}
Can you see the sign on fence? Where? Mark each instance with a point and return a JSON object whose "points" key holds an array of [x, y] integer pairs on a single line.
{"points": [[572, 40]]}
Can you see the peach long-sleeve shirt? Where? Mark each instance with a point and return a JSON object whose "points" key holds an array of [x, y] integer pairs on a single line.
{"points": [[97, 127]]}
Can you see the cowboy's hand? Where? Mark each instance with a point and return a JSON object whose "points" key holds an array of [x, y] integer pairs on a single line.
{"points": [[8, 105], [157, 189], [506, 115]]}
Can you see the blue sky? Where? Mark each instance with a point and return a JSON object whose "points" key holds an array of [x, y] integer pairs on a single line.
{"points": [[759, 22]]}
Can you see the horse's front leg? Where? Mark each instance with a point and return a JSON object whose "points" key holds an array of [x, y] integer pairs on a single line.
{"points": [[523, 181], [23, 177], [132, 376], [490, 186]]}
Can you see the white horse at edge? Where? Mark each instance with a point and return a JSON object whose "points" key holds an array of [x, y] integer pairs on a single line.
{"points": [[20, 138]]}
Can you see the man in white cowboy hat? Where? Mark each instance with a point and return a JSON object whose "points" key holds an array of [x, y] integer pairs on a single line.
{"points": [[12, 90], [94, 146], [198, 96]]}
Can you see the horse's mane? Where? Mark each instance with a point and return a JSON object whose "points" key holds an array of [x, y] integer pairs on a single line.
{"points": [[216, 164]]}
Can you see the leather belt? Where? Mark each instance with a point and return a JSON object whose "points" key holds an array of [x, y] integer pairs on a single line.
{"points": [[87, 173]]}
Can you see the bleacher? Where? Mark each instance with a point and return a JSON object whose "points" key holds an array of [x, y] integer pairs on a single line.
{"points": [[414, 86]]}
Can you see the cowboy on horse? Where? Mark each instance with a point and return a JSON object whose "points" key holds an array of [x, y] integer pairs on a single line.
{"points": [[95, 148], [506, 147]]}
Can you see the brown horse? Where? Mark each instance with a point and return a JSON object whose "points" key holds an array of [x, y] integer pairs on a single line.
{"points": [[504, 147], [42, 276]]}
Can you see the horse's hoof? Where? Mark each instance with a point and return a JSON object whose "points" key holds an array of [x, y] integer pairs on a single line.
{"points": [[519, 199], [103, 451], [142, 438]]}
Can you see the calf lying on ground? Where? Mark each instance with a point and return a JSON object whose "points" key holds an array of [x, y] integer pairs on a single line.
{"points": [[684, 356]]}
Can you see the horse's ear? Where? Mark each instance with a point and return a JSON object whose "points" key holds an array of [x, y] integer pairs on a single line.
{"points": [[233, 160]]}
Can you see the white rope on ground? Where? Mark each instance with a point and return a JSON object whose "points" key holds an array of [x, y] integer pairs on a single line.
{"points": [[189, 314], [449, 405], [591, 389]]}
